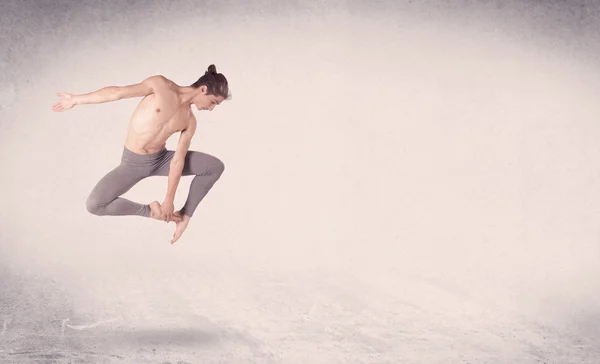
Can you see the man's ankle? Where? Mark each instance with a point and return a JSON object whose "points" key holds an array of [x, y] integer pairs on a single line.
{"points": [[184, 215]]}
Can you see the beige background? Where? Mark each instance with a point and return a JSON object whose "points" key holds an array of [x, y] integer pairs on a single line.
{"points": [[404, 180]]}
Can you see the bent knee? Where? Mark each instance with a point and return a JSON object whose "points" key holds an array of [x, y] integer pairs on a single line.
{"points": [[216, 169], [94, 206], [219, 168]]}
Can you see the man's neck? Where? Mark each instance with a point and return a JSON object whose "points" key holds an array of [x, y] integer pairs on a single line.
{"points": [[187, 94]]}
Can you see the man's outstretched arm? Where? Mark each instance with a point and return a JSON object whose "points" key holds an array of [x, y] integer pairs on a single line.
{"points": [[109, 93]]}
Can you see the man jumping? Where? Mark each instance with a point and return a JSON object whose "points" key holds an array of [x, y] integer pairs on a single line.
{"points": [[164, 110]]}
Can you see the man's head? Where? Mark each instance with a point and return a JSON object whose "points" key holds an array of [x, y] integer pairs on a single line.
{"points": [[213, 89]]}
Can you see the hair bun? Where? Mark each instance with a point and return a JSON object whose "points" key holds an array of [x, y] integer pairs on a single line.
{"points": [[212, 69]]}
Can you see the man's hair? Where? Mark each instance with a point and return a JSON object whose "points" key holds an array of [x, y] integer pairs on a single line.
{"points": [[215, 83]]}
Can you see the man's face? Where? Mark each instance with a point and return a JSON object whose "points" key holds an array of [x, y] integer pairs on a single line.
{"points": [[207, 102]]}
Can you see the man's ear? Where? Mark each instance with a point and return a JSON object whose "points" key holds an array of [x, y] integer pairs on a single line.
{"points": [[203, 89]]}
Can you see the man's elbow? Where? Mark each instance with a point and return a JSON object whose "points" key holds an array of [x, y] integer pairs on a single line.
{"points": [[115, 93], [177, 163]]}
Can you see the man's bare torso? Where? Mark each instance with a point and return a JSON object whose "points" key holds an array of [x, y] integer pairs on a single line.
{"points": [[157, 117]]}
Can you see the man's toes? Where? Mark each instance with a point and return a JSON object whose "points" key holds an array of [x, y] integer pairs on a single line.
{"points": [[176, 236]]}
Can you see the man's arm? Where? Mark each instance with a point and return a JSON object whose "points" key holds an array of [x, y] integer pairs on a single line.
{"points": [[114, 93], [178, 161], [111, 93]]}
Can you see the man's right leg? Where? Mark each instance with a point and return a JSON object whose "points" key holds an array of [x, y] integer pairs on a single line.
{"points": [[104, 198]]}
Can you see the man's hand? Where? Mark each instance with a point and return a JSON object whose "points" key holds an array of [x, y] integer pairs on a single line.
{"points": [[66, 102], [167, 209]]}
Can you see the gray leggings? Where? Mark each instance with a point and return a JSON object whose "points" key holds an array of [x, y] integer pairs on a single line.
{"points": [[105, 197]]}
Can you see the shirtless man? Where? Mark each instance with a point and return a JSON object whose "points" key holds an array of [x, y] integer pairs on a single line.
{"points": [[164, 110]]}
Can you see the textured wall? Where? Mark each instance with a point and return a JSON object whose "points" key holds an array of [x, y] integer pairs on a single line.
{"points": [[424, 143]]}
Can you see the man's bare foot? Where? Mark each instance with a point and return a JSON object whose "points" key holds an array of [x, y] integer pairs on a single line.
{"points": [[156, 213], [180, 226]]}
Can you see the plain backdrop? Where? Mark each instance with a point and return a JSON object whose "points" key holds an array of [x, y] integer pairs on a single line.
{"points": [[398, 144]]}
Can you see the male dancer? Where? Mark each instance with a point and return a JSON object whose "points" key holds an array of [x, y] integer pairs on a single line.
{"points": [[164, 110]]}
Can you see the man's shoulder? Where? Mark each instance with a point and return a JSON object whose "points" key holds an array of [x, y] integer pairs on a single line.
{"points": [[192, 122], [192, 119], [159, 82]]}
